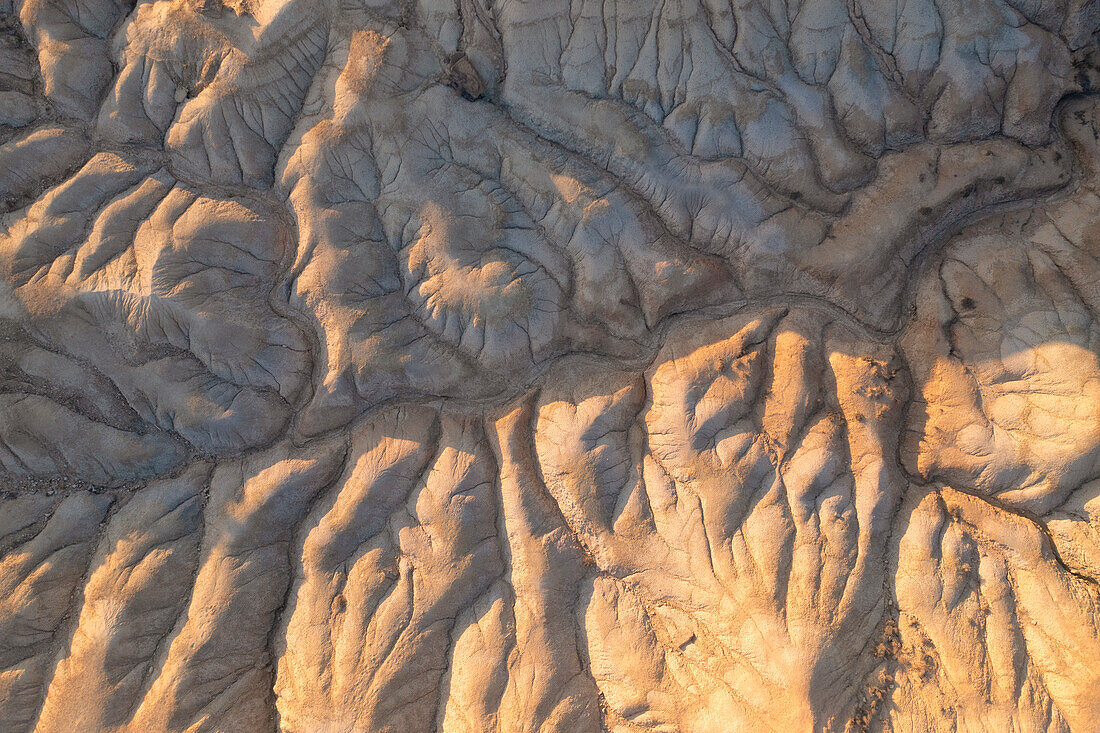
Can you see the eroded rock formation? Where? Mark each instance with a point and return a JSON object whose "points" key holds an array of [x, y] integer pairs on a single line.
{"points": [[514, 365]]}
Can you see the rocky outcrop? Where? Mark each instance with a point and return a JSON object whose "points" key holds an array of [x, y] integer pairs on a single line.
{"points": [[549, 366]]}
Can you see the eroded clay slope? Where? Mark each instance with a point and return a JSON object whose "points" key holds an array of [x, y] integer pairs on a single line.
{"points": [[571, 365]]}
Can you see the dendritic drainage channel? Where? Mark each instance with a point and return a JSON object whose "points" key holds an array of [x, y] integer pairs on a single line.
{"points": [[557, 366]]}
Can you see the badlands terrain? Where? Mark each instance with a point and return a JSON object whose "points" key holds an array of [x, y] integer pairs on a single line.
{"points": [[557, 366]]}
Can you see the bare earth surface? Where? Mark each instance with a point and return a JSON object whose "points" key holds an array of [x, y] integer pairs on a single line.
{"points": [[494, 366]]}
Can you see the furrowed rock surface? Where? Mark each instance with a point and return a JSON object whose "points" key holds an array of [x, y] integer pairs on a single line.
{"points": [[570, 365]]}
